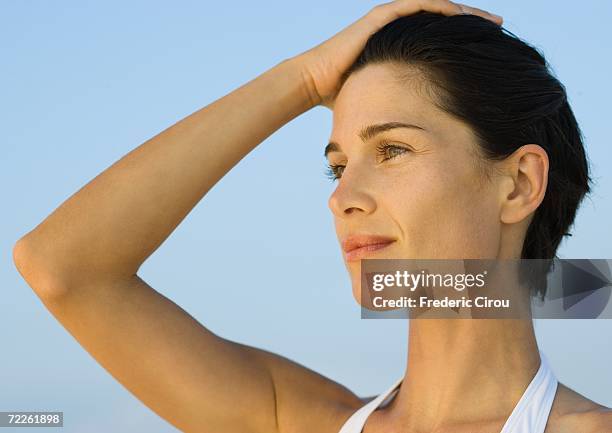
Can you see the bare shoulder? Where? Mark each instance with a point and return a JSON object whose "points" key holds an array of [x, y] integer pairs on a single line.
{"points": [[574, 413], [308, 401]]}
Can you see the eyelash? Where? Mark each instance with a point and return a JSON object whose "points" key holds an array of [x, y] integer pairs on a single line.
{"points": [[381, 148]]}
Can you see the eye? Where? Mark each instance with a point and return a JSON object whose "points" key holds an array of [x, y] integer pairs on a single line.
{"points": [[334, 172], [389, 151], [384, 148]]}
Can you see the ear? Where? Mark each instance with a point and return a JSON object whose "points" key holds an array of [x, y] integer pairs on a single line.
{"points": [[525, 183]]}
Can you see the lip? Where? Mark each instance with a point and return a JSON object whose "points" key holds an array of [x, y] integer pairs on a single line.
{"points": [[358, 246]]}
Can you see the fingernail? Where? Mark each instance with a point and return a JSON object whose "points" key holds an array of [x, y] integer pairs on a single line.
{"points": [[463, 9]]}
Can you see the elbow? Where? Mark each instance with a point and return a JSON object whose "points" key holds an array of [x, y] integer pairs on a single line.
{"points": [[37, 270]]}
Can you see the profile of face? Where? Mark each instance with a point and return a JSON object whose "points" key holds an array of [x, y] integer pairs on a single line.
{"points": [[421, 186]]}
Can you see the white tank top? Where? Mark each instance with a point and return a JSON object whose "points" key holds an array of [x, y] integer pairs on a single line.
{"points": [[528, 416]]}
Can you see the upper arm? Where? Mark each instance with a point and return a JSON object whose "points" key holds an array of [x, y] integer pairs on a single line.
{"points": [[308, 401], [189, 376]]}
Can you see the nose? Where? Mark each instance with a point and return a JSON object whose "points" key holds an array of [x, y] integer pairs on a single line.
{"points": [[351, 196]]}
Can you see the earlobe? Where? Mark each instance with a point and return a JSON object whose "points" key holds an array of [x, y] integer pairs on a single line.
{"points": [[528, 171]]}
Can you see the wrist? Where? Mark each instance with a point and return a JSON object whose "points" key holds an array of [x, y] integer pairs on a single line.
{"points": [[306, 82]]}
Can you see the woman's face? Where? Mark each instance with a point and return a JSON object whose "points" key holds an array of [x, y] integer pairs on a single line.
{"points": [[426, 192]]}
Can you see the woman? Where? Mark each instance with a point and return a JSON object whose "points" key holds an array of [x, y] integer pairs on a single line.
{"points": [[464, 375]]}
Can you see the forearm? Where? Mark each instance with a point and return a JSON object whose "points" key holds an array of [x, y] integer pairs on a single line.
{"points": [[111, 225]]}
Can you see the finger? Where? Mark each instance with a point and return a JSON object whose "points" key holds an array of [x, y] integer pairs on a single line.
{"points": [[480, 12], [386, 12], [398, 8]]}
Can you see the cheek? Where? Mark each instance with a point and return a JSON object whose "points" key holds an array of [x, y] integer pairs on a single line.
{"points": [[443, 213]]}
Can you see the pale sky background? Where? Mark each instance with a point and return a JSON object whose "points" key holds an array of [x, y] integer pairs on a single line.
{"points": [[85, 82]]}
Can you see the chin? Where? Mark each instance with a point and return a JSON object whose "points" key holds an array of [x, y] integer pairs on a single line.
{"points": [[357, 295]]}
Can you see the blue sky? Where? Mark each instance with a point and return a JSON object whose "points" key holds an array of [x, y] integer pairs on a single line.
{"points": [[85, 82]]}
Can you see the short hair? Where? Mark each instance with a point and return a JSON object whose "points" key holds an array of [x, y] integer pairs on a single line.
{"points": [[503, 88]]}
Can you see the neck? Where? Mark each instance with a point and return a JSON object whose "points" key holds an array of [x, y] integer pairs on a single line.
{"points": [[464, 370]]}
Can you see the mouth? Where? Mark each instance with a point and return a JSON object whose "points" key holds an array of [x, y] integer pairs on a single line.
{"points": [[366, 250], [358, 247]]}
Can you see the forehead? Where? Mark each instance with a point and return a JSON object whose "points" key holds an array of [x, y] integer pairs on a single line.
{"points": [[387, 92], [376, 93]]}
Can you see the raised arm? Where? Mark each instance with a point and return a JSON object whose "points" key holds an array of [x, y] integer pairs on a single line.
{"points": [[82, 261], [109, 227]]}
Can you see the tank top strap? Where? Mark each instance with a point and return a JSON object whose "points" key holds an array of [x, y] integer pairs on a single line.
{"points": [[532, 410], [355, 423], [529, 415]]}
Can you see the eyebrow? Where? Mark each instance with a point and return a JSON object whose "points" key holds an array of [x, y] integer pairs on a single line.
{"points": [[369, 132]]}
